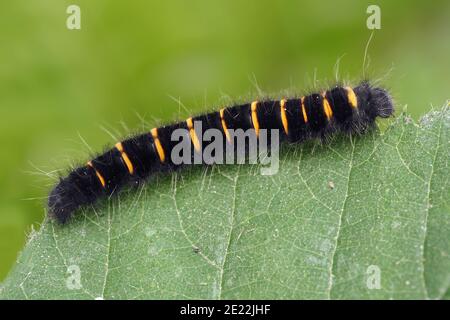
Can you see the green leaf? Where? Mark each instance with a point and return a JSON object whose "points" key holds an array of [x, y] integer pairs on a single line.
{"points": [[336, 219]]}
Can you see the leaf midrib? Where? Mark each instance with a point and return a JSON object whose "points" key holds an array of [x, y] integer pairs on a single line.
{"points": [[344, 203]]}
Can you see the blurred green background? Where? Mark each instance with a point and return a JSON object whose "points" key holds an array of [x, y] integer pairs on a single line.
{"points": [[59, 87]]}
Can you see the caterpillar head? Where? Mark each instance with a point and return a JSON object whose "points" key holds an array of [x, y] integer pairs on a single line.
{"points": [[374, 101]]}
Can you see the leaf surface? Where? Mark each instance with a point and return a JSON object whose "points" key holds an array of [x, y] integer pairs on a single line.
{"points": [[361, 217]]}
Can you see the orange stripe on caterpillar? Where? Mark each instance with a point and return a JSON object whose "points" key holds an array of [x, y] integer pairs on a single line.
{"points": [[254, 107], [302, 103], [327, 107], [125, 158], [351, 96], [159, 148], [193, 134], [99, 176], [284, 120]]}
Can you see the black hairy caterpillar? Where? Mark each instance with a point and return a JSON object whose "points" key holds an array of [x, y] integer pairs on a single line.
{"points": [[339, 109]]}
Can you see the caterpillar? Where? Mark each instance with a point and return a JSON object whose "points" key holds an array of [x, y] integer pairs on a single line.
{"points": [[315, 116]]}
